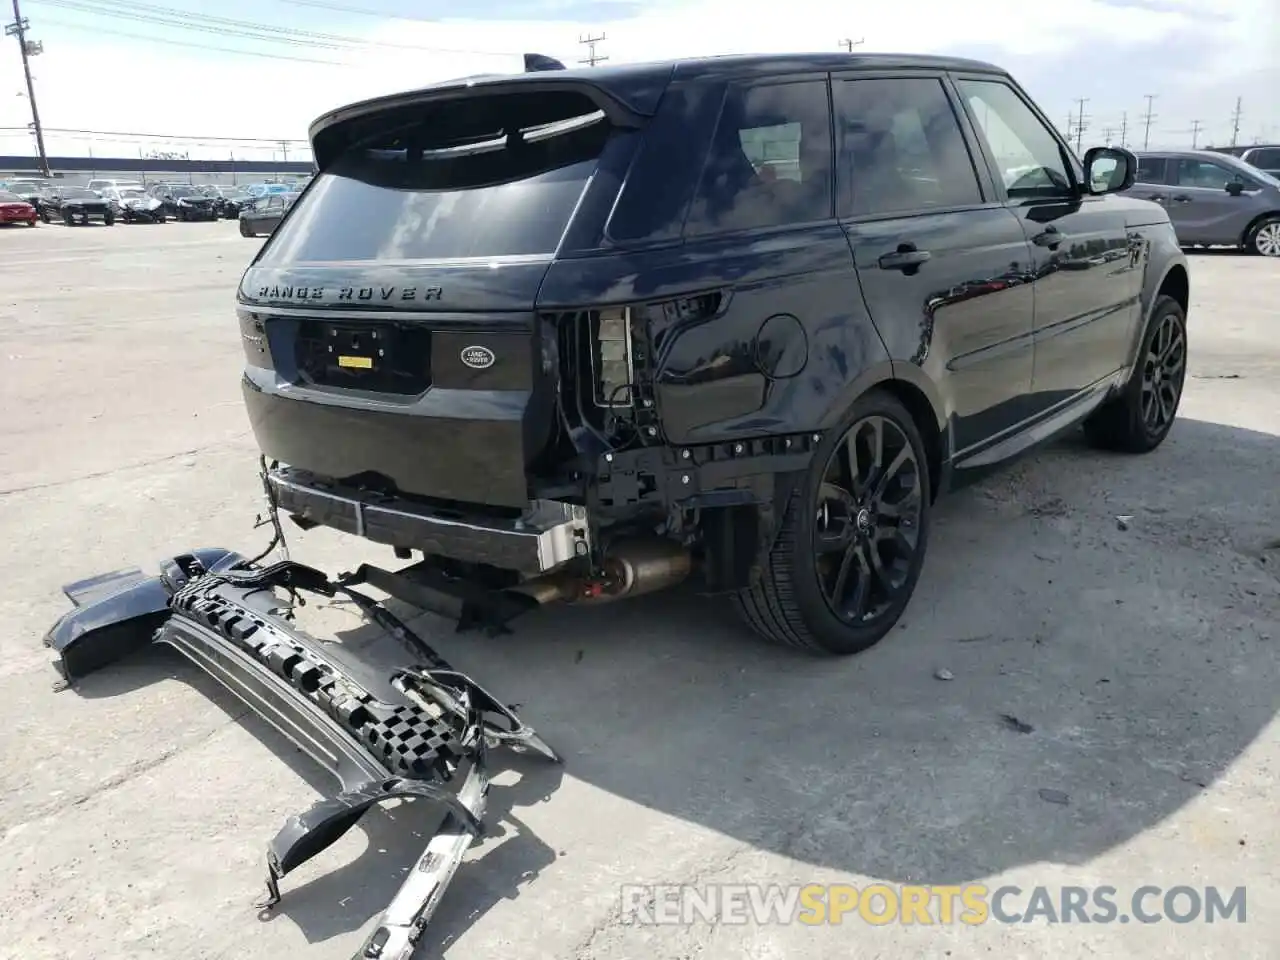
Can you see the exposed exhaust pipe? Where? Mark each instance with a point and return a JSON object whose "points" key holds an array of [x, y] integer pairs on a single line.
{"points": [[632, 567]]}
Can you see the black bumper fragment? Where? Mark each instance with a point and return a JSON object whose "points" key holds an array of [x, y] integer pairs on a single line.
{"points": [[422, 732]]}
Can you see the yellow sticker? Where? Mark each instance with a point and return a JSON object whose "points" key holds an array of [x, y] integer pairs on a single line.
{"points": [[359, 363]]}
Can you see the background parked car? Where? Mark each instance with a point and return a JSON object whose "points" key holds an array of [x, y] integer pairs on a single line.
{"points": [[13, 209], [1213, 199], [265, 214], [135, 205], [228, 200], [101, 186], [1264, 156], [183, 201], [76, 205]]}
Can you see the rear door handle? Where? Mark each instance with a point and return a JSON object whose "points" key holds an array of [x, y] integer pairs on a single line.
{"points": [[1182, 198], [1050, 238], [905, 258]]}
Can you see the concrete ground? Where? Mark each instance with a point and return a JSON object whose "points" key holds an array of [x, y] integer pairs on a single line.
{"points": [[134, 810]]}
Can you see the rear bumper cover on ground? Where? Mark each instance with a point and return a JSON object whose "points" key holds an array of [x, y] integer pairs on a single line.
{"points": [[422, 731]]}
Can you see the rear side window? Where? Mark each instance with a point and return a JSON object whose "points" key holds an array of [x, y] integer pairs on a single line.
{"points": [[1152, 169], [901, 147], [770, 160], [469, 178], [1267, 159], [1203, 173]]}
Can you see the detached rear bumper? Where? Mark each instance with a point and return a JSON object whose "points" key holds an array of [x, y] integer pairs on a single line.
{"points": [[420, 731]]}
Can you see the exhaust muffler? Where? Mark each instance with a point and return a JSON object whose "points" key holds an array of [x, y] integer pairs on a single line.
{"points": [[631, 567]]}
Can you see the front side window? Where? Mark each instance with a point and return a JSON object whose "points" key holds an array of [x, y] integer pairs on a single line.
{"points": [[1204, 173], [770, 161], [901, 147], [1028, 157], [1151, 170]]}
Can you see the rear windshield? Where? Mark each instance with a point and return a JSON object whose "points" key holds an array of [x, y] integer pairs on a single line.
{"points": [[492, 180]]}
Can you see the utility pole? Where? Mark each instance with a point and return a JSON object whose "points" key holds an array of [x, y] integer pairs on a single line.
{"points": [[1146, 131], [1124, 129], [1107, 134], [592, 57], [1081, 122], [848, 44], [1195, 133], [29, 48], [1235, 121]]}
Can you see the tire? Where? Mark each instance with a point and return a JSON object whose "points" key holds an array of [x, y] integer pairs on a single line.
{"points": [[32, 222], [109, 221], [1127, 423], [790, 604], [1264, 238], [160, 218], [244, 230]]}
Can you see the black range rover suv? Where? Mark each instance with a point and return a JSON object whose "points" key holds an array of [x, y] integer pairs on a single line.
{"points": [[581, 334]]}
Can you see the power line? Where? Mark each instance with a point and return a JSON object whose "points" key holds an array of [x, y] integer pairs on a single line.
{"points": [[359, 11], [1149, 116], [592, 57], [108, 134], [66, 25], [29, 49], [1235, 121], [227, 26]]}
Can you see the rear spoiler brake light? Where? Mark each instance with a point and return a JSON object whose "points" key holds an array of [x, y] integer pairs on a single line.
{"points": [[536, 63]]}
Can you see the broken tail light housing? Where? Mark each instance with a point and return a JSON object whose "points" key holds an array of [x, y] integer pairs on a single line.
{"points": [[612, 362]]}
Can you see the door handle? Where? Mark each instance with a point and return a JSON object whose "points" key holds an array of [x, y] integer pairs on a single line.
{"points": [[1158, 197], [1182, 198], [906, 258], [1050, 238]]}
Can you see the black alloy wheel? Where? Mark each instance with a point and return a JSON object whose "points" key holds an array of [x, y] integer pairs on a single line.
{"points": [[1139, 418], [853, 540], [868, 520], [1164, 370]]}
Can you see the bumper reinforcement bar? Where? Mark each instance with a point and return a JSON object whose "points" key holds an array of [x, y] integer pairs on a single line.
{"points": [[423, 732]]}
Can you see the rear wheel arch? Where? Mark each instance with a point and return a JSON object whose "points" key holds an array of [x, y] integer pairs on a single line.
{"points": [[1246, 238], [908, 384]]}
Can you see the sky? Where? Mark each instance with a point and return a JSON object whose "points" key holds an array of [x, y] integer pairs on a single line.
{"points": [[257, 72]]}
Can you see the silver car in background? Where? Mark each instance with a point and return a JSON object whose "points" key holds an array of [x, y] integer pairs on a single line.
{"points": [[1213, 199]]}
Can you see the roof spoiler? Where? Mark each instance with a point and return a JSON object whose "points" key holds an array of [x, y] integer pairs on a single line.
{"points": [[536, 63]]}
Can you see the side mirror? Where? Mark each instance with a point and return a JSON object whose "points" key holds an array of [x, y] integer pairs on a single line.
{"points": [[1109, 170], [1235, 188]]}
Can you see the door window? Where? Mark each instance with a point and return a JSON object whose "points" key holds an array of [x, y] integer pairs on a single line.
{"points": [[1266, 159], [901, 147], [1204, 173], [1029, 159], [770, 162], [1152, 169]]}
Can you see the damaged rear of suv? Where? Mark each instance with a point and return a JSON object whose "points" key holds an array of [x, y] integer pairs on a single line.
{"points": [[575, 335]]}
